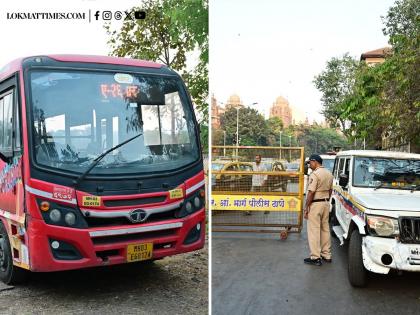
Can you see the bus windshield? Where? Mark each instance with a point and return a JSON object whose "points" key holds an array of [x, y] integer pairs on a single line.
{"points": [[77, 115]]}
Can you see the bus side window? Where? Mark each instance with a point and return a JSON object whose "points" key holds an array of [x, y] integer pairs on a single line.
{"points": [[17, 142], [6, 123]]}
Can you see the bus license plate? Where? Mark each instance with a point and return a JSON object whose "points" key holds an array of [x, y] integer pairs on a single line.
{"points": [[138, 252]]}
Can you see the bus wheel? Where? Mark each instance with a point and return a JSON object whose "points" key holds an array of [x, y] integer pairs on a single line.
{"points": [[356, 270], [9, 273]]}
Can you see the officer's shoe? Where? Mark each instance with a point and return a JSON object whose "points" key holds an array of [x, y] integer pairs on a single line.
{"points": [[310, 261], [328, 260]]}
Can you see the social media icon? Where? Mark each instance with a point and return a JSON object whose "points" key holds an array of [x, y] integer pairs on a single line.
{"points": [[118, 15], [97, 15], [140, 15], [107, 15]]}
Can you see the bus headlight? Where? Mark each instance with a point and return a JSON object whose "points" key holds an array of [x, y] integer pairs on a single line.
{"points": [[70, 218], [191, 204], [62, 215], [197, 202], [382, 226], [55, 215], [188, 206]]}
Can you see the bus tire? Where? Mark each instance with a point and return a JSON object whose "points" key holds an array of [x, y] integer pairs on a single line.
{"points": [[356, 270], [9, 273]]}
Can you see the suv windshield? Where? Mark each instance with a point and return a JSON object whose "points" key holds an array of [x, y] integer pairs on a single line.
{"points": [[328, 164], [77, 115], [386, 173]]}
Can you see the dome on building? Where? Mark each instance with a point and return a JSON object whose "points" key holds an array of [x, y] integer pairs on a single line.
{"points": [[234, 99], [281, 100], [282, 110]]}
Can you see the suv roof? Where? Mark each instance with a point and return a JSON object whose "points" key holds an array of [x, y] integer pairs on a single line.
{"points": [[377, 153]]}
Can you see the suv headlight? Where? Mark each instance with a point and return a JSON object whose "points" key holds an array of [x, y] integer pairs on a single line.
{"points": [[382, 226]]}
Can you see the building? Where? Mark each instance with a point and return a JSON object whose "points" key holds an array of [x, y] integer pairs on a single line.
{"points": [[376, 56], [389, 142], [234, 101], [282, 110], [216, 112]]}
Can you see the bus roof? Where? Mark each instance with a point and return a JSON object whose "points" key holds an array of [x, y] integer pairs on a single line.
{"points": [[377, 153], [16, 64]]}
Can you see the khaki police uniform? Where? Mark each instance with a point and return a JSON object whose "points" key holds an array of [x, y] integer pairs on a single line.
{"points": [[320, 182]]}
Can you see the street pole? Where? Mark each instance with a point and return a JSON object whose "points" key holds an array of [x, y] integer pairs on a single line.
{"points": [[281, 131], [224, 142], [290, 151], [237, 130], [364, 143]]}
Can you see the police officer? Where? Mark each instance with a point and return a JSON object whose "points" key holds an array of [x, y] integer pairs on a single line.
{"points": [[317, 212]]}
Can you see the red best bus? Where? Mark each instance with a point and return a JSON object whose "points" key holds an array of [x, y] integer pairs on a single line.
{"points": [[100, 164]]}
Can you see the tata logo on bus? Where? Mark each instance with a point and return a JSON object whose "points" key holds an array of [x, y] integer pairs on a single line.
{"points": [[137, 215]]}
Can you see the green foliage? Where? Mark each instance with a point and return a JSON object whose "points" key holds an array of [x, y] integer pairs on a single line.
{"points": [[336, 83], [383, 100], [204, 137], [254, 130], [252, 127], [171, 33], [317, 139]]}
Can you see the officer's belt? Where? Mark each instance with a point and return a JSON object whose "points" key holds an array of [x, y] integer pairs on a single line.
{"points": [[321, 200]]}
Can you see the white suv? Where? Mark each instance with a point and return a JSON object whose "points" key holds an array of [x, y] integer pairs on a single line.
{"points": [[375, 206]]}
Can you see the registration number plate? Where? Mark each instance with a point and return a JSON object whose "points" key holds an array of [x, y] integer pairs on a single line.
{"points": [[139, 252]]}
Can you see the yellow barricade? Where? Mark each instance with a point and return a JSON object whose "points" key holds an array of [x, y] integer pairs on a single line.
{"points": [[247, 197]]}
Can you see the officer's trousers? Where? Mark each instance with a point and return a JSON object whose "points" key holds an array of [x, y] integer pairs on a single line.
{"points": [[319, 230]]}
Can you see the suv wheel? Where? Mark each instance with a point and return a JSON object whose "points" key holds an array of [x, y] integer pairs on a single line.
{"points": [[356, 270]]}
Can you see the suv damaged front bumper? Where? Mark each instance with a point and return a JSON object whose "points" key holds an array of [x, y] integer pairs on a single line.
{"points": [[380, 255]]}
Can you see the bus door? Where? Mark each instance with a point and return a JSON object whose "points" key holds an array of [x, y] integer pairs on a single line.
{"points": [[11, 186]]}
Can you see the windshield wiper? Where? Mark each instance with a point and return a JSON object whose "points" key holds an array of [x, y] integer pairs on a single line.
{"points": [[100, 157], [415, 188], [379, 185]]}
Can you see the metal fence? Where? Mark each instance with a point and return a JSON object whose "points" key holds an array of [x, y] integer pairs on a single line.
{"points": [[250, 197]]}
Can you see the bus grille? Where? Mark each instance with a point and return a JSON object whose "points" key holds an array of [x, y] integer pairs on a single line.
{"points": [[410, 230], [107, 222]]}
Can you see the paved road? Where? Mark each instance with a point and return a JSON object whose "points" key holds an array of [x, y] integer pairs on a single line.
{"points": [[260, 274], [175, 285]]}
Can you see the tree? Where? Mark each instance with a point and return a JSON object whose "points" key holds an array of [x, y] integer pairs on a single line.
{"points": [[274, 126], [400, 70], [172, 31], [336, 84], [384, 100], [317, 139], [252, 127]]}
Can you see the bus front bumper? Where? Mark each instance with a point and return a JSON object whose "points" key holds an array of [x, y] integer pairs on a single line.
{"points": [[54, 248], [380, 255]]}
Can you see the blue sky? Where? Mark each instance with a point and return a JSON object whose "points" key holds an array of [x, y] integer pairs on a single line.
{"points": [[264, 49]]}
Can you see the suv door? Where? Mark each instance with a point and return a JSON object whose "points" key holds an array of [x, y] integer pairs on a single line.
{"points": [[339, 208]]}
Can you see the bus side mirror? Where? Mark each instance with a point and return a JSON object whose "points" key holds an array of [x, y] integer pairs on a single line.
{"points": [[343, 180], [6, 157]]}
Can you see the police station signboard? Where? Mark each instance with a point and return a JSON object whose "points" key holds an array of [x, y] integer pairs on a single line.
{"points": [[255, 203]]}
